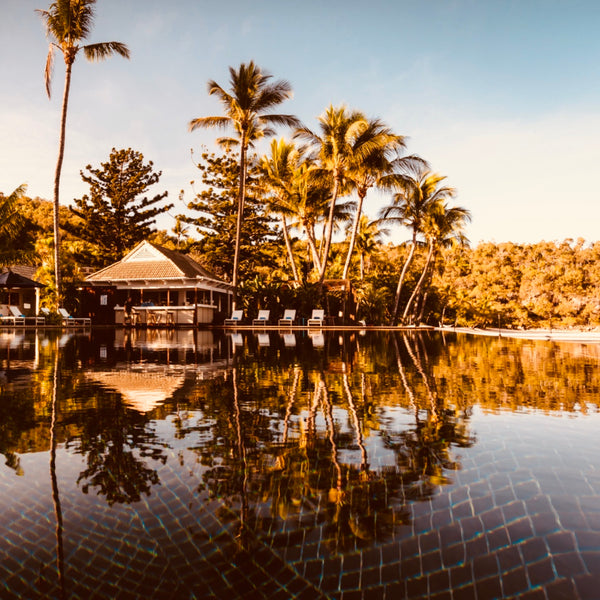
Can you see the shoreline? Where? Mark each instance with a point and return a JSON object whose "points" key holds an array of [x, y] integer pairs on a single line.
{"points": [[561, 335]]}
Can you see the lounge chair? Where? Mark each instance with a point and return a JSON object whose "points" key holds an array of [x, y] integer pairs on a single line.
{"points": [[70, 321], [262, 319], [12, 320], [288, 317], [19, 315], [317, 318], [236, 318]]}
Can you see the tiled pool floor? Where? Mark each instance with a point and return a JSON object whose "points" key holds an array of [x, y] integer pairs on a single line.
{"points": [[506, 526]]}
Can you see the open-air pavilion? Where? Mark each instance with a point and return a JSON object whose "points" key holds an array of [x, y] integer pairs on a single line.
{"points": [[155, 286], [18, 290]]}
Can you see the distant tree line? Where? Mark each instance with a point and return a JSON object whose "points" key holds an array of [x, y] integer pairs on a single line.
{"points": [[544, 284]]}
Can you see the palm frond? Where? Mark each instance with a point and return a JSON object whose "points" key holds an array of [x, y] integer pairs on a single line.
{"points": [[206, 122], [102, 50], [227, 142], [214, 89], [48, 70], [285, 120]]}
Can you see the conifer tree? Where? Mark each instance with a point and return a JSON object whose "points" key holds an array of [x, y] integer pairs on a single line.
{"points": [[116, 214], [216, 221]]}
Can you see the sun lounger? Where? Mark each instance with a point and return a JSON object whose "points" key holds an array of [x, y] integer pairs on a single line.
{"points": [[70, 321], [236, 318], [262, 319], [19, 315], [288, 317], [317, 318], [12, 320]]}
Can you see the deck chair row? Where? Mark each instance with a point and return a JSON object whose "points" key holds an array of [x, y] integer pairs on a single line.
{"points": [[289, 317]]}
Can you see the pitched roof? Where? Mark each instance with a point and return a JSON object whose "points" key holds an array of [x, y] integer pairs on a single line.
{"points": [[28, 271], [149, 261], [10, 279]]}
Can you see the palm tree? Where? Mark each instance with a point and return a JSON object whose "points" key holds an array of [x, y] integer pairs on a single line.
{"points": [[279, 171], [367, 237], [247, 104], [419, 190], [179, 231], [443, 226], [68, 23], [373, 169], [307, 205], [11, 228], [338, 145]]}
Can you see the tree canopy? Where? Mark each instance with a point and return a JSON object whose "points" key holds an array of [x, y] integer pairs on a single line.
{"points": [[117, 214]]}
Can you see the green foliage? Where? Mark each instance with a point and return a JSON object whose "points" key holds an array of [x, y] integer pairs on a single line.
{"points": [[116, 215], [16, 230], [216, 207], [547, 284]]}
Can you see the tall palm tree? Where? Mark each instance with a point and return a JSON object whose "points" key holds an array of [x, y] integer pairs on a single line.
{"points": [[68, 23], [247, 106], [279, 172], [443, 226], [372, 168], [337, 145], [307, 205], [419, 190]]}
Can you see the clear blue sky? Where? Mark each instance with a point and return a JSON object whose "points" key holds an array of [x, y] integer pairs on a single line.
{"points": [[503, 97]]}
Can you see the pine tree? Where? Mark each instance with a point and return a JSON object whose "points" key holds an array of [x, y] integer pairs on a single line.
{"points": [[216, 204], [116, 215]]}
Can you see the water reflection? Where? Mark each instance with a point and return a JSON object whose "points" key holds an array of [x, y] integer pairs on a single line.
{"points": [[326, 453]]}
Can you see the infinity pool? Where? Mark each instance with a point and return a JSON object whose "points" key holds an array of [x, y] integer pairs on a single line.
{"points": [[186, 464]]}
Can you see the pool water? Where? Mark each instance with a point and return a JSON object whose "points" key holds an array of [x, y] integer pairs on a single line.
{"points": [[196, 464]]}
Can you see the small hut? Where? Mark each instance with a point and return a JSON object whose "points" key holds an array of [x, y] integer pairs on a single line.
{"points": [[155, 286], [18, 290]]}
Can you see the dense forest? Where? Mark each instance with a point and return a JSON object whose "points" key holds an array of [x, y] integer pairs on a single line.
{"points": [[546, 284]]}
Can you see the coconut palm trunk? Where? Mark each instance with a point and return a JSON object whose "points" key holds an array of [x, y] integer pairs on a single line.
{"points": [[419, 283], [407, 264], [328, 234], [312, 244], [57, 173], [361, 198], [288, 246], [240, 216]]}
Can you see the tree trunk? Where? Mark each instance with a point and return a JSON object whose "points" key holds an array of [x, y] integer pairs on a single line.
{"points": [[59, 162], [362, 266], [407, 262], [419, 283], [288, 245], [240, 218], [329, 229], [361, 197], [312, 244]]}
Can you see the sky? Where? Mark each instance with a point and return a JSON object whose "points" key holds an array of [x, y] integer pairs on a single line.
{"points": [[500, 96]]}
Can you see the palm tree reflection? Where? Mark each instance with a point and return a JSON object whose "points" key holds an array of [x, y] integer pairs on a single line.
{"points": [[60, 558], [314, 471]]}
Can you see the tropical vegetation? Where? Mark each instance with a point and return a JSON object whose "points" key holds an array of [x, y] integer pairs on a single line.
{"points": [[288, 226]]}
